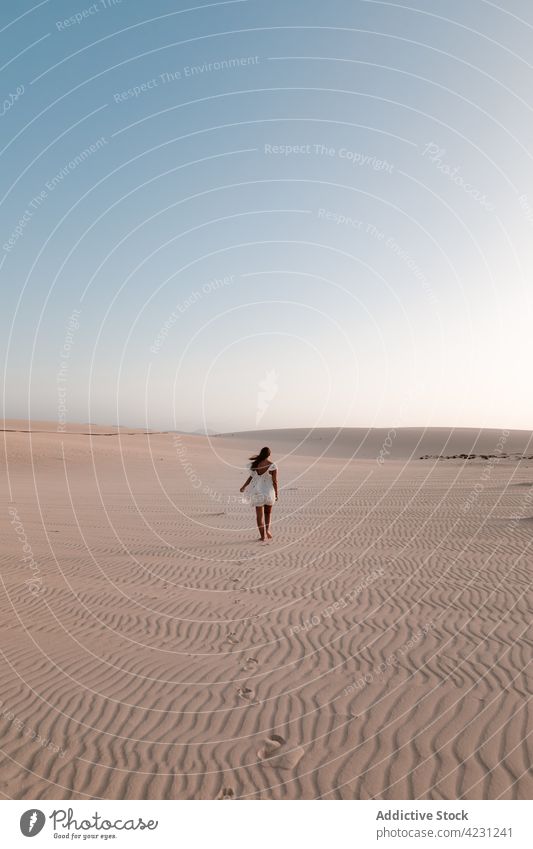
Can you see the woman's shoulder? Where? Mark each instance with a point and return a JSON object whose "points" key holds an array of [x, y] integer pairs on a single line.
{"points": [[272, 467]]}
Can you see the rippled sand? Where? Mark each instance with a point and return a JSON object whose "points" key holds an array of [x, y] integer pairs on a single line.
{"points": [[379, 647]]}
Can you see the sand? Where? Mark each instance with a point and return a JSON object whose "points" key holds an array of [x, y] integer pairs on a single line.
{"points": [[378, 647]]}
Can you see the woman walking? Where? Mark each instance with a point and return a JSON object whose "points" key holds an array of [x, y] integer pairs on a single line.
{"points": [[264, 481]]}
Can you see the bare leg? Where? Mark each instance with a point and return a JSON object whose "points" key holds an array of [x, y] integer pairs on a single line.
{"points": [[260, 522], [268, 516]]}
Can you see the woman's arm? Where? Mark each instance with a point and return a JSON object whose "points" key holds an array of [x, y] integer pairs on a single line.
{"points": [[275, 481], [245, 484]]}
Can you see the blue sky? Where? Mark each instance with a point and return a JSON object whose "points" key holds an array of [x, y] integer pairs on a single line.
{"points": [[273, 214]]}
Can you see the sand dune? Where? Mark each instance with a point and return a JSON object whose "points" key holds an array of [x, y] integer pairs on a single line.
{"points": [[405, 442], [379, 647]]}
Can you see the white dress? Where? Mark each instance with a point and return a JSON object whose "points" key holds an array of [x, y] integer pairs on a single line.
{"points": [[262, 487]]}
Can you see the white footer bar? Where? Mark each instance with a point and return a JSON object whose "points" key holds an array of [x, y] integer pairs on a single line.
{"points": [[268, 825]]}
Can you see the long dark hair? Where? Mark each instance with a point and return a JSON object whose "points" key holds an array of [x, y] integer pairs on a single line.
{"points": [[258, 458]]}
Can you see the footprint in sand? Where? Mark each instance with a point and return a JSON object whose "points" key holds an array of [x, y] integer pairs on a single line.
{"points": [[227, 793], [247, 694], [250, 664], [277, 752], [232, 638]]}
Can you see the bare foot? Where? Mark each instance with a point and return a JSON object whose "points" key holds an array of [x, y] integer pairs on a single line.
{"points": [[261, 539], [269, 535]]}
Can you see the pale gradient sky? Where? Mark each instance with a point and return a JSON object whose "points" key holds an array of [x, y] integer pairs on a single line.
{"points": [[414, 122]]}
